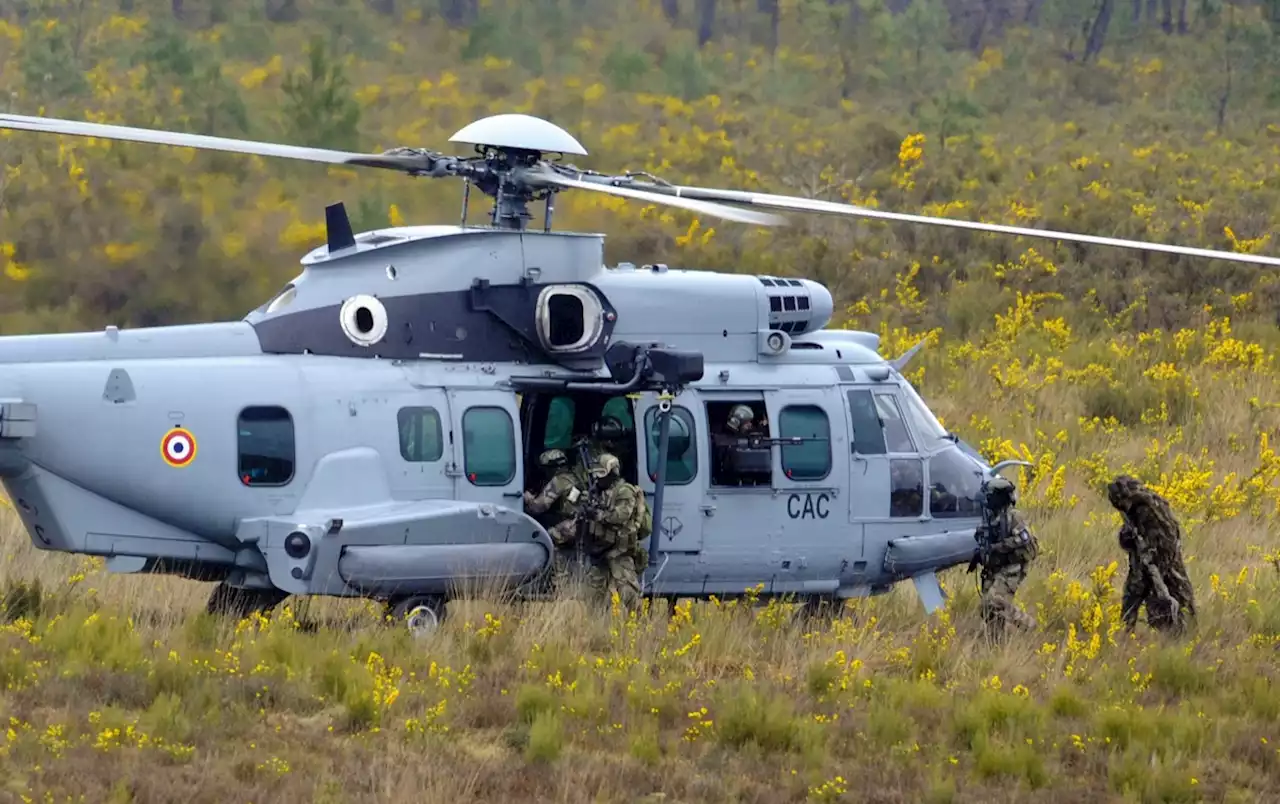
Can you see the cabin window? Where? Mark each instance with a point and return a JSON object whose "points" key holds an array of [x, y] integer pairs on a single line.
{"points": [[558, 433], [868, 432], [906, 488], [895, 427], [421, 435], [682, 450], [736, 461], [808, 460], [488, 446], [266, 446], [955, 485], [570, 318]]}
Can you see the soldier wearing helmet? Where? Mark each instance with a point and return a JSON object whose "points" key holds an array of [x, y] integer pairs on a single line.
{"points": [[559, 501], [741, 420], [1157, 574], [1006, 547], [607, 435], [615, 521]]}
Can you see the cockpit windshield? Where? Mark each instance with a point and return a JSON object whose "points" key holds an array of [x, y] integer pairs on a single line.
{"points": [[932, 434], [955, 485]]}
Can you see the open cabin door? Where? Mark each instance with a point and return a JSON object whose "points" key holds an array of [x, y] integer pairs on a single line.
{"points": [[487, 446], [680, 530]]}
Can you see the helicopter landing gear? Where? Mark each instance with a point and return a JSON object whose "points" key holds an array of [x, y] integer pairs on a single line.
{"points": [[227, 600], [422, 614]]}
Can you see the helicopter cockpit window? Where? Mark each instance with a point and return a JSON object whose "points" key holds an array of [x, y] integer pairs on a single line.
{"points": [[808, 460], [266, 446], [735, 461], [421, 436], [682, 449], [569, 317], [868, 432], [955, 485], [927, 425], [897, 437], [906, 490], [488, 446]]}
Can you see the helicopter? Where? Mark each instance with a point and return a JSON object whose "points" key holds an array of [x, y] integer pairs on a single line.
{"points": [[371, 429]]}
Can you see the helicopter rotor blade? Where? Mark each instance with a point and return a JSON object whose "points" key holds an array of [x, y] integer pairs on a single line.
{"points": [[816, 205], [409, 162], [704, 207]]}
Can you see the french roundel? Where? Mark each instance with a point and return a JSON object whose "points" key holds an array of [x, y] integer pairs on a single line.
{"points": [[178, 447]]}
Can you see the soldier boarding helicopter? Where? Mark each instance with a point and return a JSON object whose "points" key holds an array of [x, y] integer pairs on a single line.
{"points": [[370, 430]]}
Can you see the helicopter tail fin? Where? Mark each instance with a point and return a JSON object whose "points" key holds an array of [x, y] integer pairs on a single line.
{"points": [[930, 591]]}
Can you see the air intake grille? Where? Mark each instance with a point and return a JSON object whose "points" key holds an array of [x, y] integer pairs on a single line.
{"points": [[788, 304]]}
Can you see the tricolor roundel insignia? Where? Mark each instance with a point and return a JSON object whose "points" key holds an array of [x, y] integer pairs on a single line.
{"points": [[178, 447]]}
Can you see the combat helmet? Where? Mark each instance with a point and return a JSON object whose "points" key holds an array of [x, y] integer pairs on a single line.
{"points": [[738, 416], [552, 457], [1001, 492], [607, 464], [608, 429]]}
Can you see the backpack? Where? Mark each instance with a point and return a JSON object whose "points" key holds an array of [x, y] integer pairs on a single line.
{"points": [[643, 517]]}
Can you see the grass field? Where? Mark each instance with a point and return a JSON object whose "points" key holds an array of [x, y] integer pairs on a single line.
{"points": [[120, 688]]}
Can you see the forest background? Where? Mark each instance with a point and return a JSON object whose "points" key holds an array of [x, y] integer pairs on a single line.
{"points": [[1147, 119]]}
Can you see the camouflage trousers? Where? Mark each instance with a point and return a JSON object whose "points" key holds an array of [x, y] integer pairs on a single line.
{"points": [[1167, 595], [997, 607], [614, 574], [565, 568]]}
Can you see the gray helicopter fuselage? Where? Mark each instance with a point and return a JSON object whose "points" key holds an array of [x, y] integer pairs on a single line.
{"points": [[378, 409]]}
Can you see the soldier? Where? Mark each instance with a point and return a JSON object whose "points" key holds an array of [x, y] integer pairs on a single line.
{"points": [[563, 497], [1157, 575], [618, 517], [606, 436], [1005, 549]]}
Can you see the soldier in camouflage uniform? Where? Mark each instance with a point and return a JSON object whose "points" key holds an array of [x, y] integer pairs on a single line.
{"points": [[617, 517], [607, 435], [1004, 554], [1157, 575], [563, 497]]}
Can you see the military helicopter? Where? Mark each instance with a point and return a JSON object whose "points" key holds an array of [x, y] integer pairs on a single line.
{"points": [[370, 430]]}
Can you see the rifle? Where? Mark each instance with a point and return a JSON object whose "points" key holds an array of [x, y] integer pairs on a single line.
{"points": [[1149, 566], [591, 500], [984, 534]]}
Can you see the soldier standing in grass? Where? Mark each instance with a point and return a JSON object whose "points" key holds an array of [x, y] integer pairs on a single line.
{"points": [[562, 496], [1006, 546], [1157, 575], [616, 517]]}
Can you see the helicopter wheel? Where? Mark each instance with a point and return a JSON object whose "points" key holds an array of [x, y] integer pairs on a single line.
{"points": [[240, 603], [423, 615]]}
